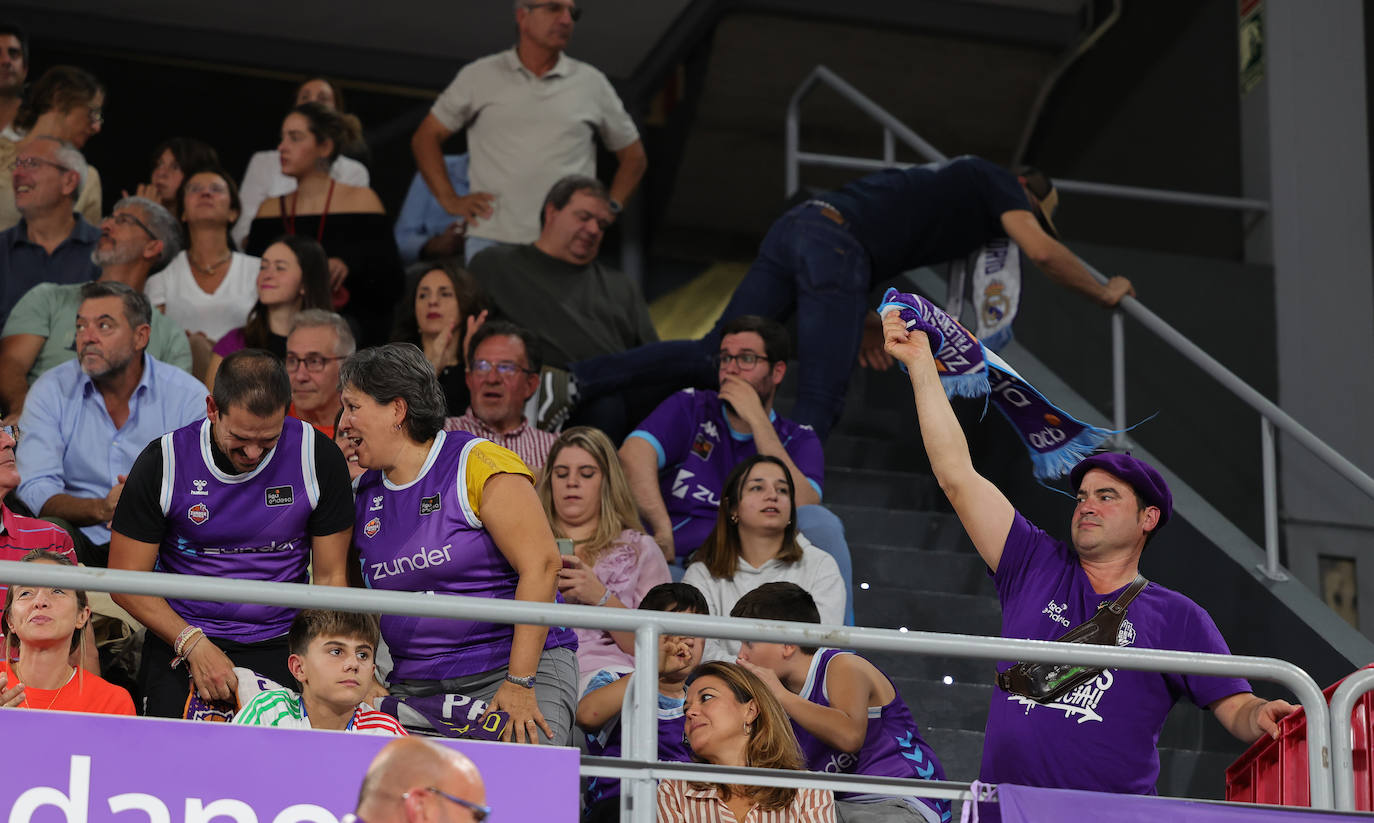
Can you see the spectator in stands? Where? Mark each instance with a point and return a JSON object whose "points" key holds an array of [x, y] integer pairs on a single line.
{"points": [[411, 780], [678, 458], [66, 104], [246, 477], [14, 70], [264, 178], [588, 501], [349, 221], [344, 440], [333, 658], [448, 307], [598, 712], [424, 231], [86, 420], [734, 720], [138, 237], [847, 715], [50, 242], [44, 627], [527, 114], [318, 343], [209, 288], [1122, 503], [293, 276], [20, 535], [503, 372], [473, 504], [172, 160], [755, 541]]}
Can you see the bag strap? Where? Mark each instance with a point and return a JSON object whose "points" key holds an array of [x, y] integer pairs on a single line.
{"points": [[1138, 585]]}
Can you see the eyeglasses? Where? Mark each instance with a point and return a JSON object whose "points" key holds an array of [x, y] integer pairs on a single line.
{"points": [[575, 12], [30, 163], [97, 115], [12, 432], [201, 188], [125, 219], [312, 362], [505, 368], [745, 359], [479, 813]]}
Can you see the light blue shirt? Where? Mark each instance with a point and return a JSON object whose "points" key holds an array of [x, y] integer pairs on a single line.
{"points": [[69, 444], [421, 215]]}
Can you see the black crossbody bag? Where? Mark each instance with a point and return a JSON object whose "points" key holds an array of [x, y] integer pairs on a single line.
{"points": [[1046, 682]]}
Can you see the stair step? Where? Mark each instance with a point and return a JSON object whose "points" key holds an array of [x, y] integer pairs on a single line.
{"points": [[880, 487], [866, 451], [951, 572], [930, 667], [1193, 774], [896, 527], [930, 612], [956, 706], [960, 750]]}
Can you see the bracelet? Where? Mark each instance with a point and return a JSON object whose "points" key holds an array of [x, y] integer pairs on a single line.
{"points": [[604, 598], [186, 641]]}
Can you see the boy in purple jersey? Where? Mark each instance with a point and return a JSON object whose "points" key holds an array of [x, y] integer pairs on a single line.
{"points": [[847, 715], [598, 712], [1102, 735]]}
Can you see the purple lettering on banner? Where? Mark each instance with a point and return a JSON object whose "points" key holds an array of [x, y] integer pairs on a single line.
{"points": [[85, 768]]}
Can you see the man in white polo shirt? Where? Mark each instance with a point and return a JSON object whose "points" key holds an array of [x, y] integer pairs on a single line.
{"points": [[530, 114]]}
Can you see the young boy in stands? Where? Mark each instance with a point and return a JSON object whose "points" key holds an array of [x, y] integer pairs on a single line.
{"points": [[846, 713], [598, 713], [332, 658]]}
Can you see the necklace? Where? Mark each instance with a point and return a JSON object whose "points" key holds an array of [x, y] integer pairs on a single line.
{"points": [[209, 271], [289, 219], [55, 694]]}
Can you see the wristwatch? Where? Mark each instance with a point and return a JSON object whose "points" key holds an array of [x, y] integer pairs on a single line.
{"points": [[527, 682], [616, 208]]}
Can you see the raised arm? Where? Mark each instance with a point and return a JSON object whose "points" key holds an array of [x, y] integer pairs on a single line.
{"points": [[982, 508], [1060, 264], [640, 461]]}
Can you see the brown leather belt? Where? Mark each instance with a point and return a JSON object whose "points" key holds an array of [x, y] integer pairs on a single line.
{"points": [[829, 212]]}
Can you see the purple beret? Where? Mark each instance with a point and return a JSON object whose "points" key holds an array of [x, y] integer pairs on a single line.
{"points": [[1149, 486]]}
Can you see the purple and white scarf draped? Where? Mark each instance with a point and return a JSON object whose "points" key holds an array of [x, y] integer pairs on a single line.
{"points": [[1056, 441]]}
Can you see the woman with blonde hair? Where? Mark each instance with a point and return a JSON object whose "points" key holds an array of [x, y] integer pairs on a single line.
{"points": [[43, 625], [612, 563], [732, 719]]}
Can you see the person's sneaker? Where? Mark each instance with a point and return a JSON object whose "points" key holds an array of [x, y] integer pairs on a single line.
{"points": [[556, 398]]}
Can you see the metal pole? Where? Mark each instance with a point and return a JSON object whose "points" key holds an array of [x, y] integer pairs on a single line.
{"points": [[1118, 374], [642, 737], [1271, 567], [1183, 198], [889, 147], [1342, 704]]}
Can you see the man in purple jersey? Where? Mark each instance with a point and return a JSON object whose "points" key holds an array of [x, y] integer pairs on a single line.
{"points": [[244, 493], [1101, 735]]}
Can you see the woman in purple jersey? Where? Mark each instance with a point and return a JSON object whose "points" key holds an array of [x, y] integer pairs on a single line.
{"points": [[448, 513]]}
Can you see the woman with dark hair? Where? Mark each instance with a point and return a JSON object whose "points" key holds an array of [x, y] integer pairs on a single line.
{"points": [[732, 719], [264, 178], [43, 626], [209, 288], [66, 104], [173, 159], [445, 306], [755, 541], [293, 276], [469, 508], [349, 221]]}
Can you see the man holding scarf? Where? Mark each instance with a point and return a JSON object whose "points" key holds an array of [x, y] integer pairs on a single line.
{"points": [[1103, 730]]}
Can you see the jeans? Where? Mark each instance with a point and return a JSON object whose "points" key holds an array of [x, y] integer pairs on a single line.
{"points": [[826, 532]]}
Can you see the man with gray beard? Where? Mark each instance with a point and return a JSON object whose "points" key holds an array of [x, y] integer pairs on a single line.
{"points": [[137, 239], [87, 419]]}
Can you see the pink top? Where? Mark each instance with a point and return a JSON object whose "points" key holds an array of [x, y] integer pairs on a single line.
{"points": [[632, 566]]}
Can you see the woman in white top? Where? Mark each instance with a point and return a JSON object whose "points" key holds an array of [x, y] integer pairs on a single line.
{"points": [[209, 288], [755, 542], [264, 177]]}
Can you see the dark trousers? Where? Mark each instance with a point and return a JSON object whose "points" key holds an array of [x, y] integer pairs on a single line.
{"points": [[164, 690]]}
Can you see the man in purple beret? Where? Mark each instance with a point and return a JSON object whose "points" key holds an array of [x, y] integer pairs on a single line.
{"points": [[1101, 734]]}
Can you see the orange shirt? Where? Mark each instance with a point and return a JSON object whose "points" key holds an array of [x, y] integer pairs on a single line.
{"points": [[85, 692], [327, 430]]}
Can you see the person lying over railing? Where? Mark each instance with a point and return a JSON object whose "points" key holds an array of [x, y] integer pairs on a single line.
{"points": [[44, 626], [847, 715], [332, 657], [733, 719], [598, 712]]}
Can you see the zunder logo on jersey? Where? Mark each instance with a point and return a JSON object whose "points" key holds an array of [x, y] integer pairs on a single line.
{"points": [[373, 526], [198, 513]]}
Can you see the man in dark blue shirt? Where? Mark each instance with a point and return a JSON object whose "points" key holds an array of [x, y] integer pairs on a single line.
{"points": [[51, 243]]}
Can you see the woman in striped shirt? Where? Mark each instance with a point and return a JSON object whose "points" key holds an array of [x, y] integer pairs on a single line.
{"points": [[733, 720]]}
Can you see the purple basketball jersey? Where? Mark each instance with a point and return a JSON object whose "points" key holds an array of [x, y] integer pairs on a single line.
{"points": [[251, 526], [892, 747], [672, 742], [425, 537]]}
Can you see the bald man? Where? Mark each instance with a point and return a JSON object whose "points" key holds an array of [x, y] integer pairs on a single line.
{"points": [[410, 778]]}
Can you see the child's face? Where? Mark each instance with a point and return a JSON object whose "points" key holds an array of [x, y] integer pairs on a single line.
{"points": [[765, 655], [682, 654], [337, 670]]}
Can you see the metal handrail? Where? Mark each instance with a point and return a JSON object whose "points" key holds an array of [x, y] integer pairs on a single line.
{"points": [[639, 741], [1271, 415], [1342, 703]]}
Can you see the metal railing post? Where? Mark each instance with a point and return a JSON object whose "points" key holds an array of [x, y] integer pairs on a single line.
{"points": [[1271, 567], [889, 147], [639, 738], [1342, 760], [1118, 375]]}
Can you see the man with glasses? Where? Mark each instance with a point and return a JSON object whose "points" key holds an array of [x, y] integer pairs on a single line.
{"points": [[87, 419], [50, 243], [138, 238], [530, 114], [503, 372], [318, 342], [411, 779]]}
